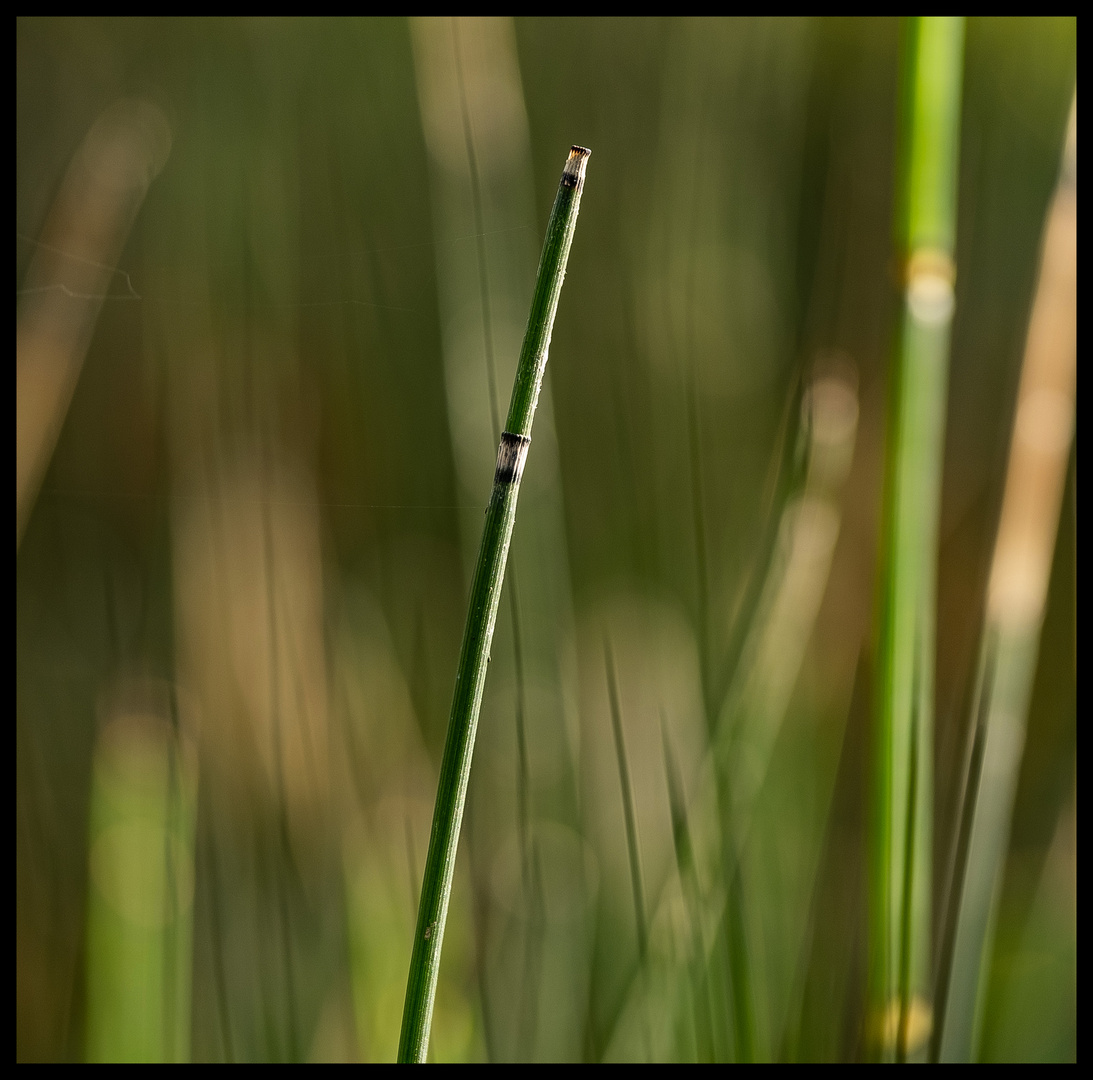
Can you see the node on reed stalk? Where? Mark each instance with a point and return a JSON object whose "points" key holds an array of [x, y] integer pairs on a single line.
{"points": [[482, 615]]}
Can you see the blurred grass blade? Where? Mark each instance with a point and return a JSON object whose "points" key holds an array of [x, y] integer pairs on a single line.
{"points": [[784, 615], [482, 615], [755, 705], [627, 806], [901, 838], [769, 662], [72, 273], [1039, 452], [140, 899], [683, 846]]}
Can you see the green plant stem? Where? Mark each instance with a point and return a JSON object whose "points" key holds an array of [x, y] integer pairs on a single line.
{"points": [[482, 616], [901, 841]]}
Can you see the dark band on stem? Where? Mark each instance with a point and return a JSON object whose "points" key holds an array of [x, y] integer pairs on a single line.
{"points": [[573, 173], [511, 455]]}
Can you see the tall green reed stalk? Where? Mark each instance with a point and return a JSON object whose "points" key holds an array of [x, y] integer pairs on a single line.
{"points": [[1016, 596], [474, 118], [902, 799], [482, 615]]}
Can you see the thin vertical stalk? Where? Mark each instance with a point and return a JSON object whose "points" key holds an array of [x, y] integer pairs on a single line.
{"points": [[479, 235], [901, 840], [637, 886], [473, 112], [1017, 592], [685, 867], [972, 774], [627, 806], [482, 616]]}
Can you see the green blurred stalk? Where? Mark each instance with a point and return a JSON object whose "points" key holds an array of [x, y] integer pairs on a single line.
{"points": [[629, 816], [898, 1016], [1035, 478], [140, 895], [482, 616]]}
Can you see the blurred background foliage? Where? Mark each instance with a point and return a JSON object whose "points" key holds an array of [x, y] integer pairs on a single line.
{"points": [[243, 558]]}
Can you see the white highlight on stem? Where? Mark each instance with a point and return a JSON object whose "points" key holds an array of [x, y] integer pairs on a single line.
{"points": [[930, 298]]}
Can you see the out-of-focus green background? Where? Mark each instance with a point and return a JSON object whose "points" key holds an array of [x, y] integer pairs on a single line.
{"points": [[256, 525]]}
